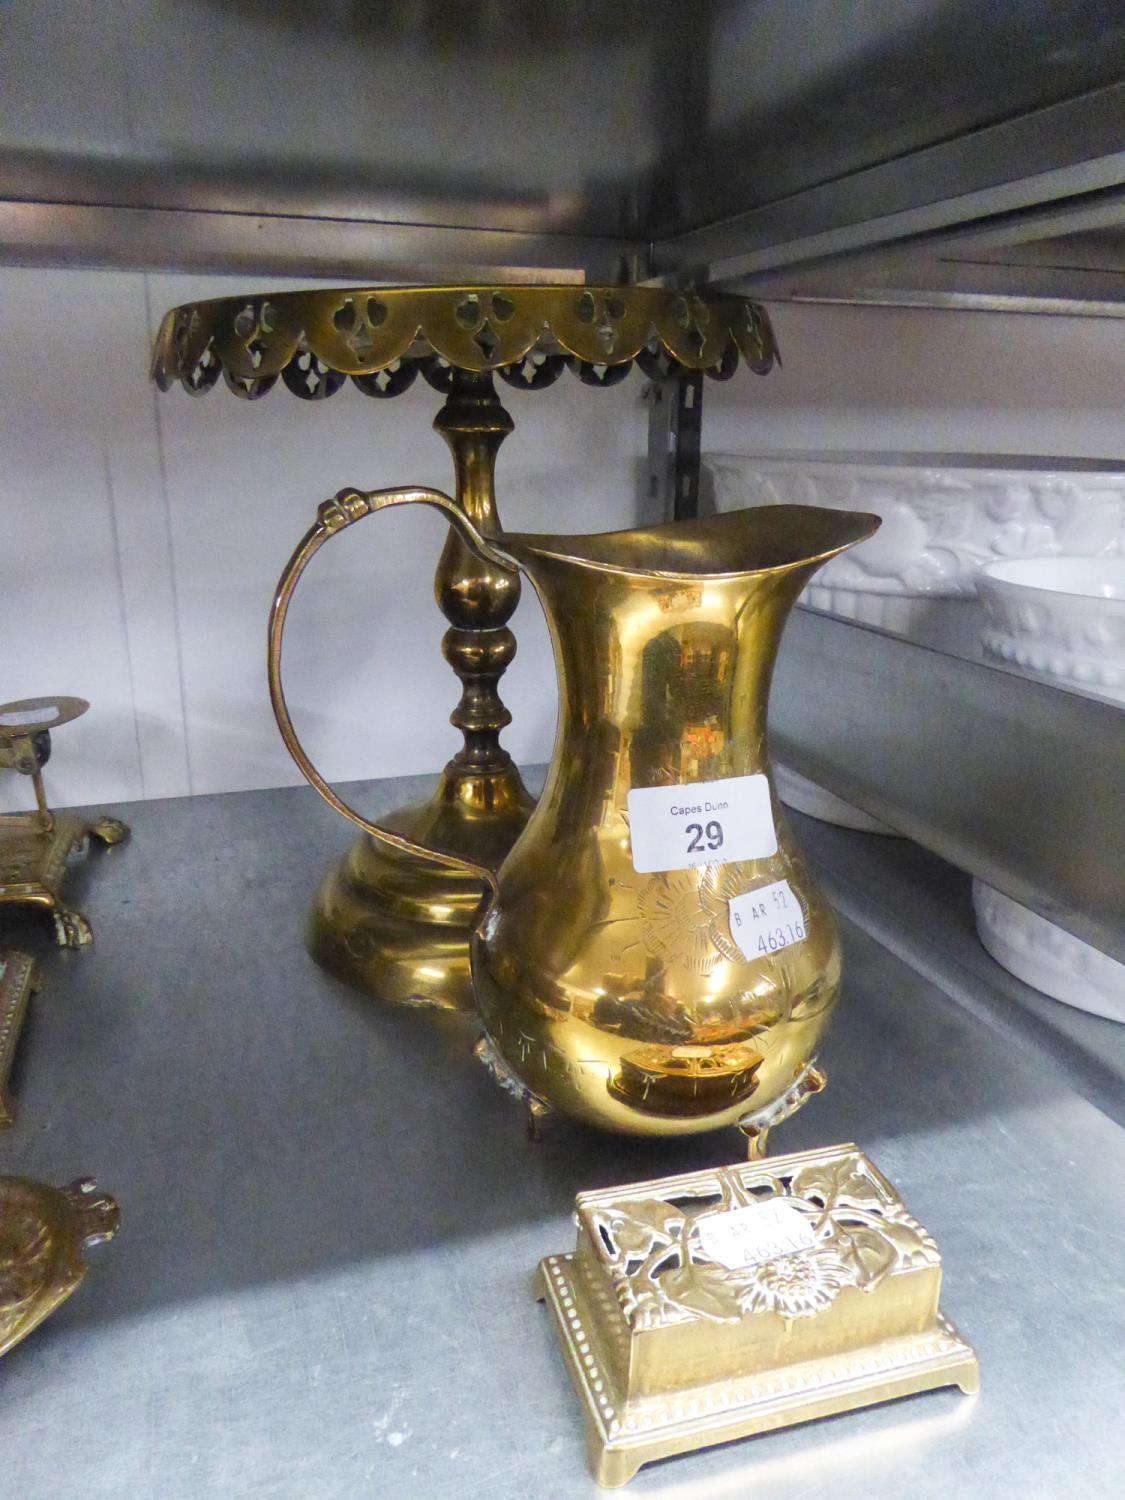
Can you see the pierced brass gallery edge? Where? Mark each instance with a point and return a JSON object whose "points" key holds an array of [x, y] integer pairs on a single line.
{"points": [[316, 339], [386, 920], [43, 1233], [724, 1303]]}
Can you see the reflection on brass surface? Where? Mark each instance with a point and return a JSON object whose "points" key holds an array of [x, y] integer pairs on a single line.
{"points": [[34, 846], [616, 997], [399, 927], [382, 336], [43, 1233], [19, 980], [385, 919], [723, 1303], [684, 1081]]}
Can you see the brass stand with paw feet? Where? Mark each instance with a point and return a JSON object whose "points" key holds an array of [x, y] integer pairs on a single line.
{"points": [[34, 847]]}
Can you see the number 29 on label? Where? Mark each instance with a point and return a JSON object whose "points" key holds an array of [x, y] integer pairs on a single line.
{"points": [[704, 836]]}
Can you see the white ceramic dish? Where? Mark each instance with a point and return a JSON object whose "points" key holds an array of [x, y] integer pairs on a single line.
{"points": [[1047, 957], [817, 801], [1059, 617], [944, 514]]}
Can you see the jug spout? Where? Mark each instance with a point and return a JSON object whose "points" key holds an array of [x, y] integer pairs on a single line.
{"points": [[665, 639], [758, 540]]}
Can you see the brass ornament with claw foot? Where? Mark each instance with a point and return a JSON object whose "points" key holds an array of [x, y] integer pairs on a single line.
{"points": [[44, 1232]]}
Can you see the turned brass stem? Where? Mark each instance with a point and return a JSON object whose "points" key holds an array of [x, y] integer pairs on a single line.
{"points": [[477, 597], [46, 817]]}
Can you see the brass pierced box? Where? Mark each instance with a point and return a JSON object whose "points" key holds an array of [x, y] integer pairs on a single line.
{"points": [[719, 1304]]}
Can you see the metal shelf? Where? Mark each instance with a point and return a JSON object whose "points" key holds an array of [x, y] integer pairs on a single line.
{"points": [[808, 149], [920, 909], [330, 1214], [1017, 781]]}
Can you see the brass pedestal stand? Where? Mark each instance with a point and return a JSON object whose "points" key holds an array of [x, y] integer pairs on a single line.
{"points": [[396, 926]]}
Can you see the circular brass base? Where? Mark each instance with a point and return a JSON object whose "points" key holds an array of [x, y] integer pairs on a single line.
{"points": [[397, 927]]}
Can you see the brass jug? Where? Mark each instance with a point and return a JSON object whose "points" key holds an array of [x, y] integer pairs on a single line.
{"points": [[653, 955]]}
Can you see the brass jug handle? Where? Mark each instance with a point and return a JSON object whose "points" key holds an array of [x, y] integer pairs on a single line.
{"points": [[334, 515]]}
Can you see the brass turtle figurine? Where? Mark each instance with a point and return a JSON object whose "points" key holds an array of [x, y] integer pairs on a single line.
{"points": [[43, 1232]]}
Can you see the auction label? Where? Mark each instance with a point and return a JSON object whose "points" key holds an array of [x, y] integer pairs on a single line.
{"points": [[705, 823], [749, 1236], [766, 920]]}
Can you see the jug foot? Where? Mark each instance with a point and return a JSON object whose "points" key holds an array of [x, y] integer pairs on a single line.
{"points": [[538, 1110], [757, 1126], [757, 1141], [538, 1115]]}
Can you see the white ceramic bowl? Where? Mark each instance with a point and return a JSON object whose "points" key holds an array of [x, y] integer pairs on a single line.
{"points": [[1047, 957], [1059, 617]]}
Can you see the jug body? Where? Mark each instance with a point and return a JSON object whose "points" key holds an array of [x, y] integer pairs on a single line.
{"points": [[643, 967], [653, 956]]}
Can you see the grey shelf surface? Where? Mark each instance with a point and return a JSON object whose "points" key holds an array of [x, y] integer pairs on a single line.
{"points": [[920, 908], [913, 736], [330, 1215]]}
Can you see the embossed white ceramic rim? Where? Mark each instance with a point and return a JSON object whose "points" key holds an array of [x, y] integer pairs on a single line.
{"points": [[1077, 632], [1047, 957], [1038, 464], [1087, 578], [911, 483], [816, 801]]}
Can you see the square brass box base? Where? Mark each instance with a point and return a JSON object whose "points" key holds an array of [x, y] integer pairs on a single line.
{"points": [[723, 1303], [19, 980]]}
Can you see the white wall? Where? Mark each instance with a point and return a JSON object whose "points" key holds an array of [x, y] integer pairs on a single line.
{"points": [[896, 379], [141, 535]]}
